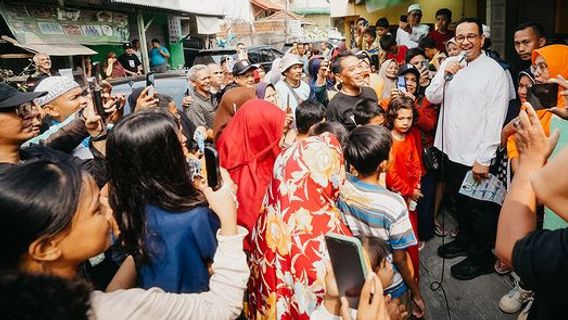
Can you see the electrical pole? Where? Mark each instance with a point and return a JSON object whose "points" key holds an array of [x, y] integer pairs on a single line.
{"points": [[286, 22]]}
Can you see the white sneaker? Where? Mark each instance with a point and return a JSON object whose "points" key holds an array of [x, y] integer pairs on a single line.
{"points": [[524, 315], [513, 301]]}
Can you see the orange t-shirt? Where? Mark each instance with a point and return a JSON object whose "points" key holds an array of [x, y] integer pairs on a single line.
{"points": [[544, 117], [405, 169]]}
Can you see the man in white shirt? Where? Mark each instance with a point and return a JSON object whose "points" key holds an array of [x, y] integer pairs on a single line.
{"points": [[474, 105], [411, 34], [291, 90]]}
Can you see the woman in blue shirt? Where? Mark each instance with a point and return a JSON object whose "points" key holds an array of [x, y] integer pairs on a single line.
{"points": [[164, 220]]}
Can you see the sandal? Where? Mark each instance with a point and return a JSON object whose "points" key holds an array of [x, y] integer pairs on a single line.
{"points": [[501, 268], [439, 230]]}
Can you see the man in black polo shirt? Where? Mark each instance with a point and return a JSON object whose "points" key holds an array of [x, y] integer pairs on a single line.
{"points": [[349, 73], [130, 61]]}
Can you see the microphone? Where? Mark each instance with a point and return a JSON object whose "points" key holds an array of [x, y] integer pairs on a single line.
{"points": [[461, 58]]}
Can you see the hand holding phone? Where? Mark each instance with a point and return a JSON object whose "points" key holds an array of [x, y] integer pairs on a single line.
{"points": [[150, 83], [349, 265], [213, 170], [543, 95], [401, 84], [96, 93]]}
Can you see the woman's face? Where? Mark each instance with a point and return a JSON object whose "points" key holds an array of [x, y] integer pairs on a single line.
{"points": [[403, 120], [392, 70], [524, 85], [270, 95], [540, 70], [91, 229], [411, 83], [261, 73], [324, 69], [453, 50]]}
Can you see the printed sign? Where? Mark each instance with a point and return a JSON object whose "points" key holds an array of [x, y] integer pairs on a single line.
{"points": [[35, 24]]}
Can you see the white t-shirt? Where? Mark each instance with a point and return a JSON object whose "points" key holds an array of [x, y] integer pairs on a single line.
{"points": [[283, 92]]}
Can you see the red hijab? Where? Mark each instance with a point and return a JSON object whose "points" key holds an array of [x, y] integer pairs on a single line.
{"points": [[248, 148]]}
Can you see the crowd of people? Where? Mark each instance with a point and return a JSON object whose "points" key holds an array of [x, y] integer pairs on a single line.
{"points": [[109, 214]]}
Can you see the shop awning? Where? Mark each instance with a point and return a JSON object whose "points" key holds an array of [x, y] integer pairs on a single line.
{"points": [[61, 50], [198, 7]]}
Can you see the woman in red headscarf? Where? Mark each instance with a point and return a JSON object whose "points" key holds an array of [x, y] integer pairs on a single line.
{"points": [[248, 147], [287, 243]]}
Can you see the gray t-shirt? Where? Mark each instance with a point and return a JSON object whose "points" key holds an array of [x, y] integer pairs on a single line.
{"points": [[202, 111]]}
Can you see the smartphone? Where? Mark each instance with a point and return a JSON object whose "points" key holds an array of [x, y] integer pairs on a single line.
{"points": [[404, 18], [96, 93], [424, 64], [150, 83], [200, 140], [213, 170], [543, 95], [349, 265], [401, 84]]}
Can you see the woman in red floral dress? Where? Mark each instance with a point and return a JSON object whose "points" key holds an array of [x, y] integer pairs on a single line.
{"points": [[288, 248]]}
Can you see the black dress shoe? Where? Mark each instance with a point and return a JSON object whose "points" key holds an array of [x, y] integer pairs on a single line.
{"points": [[467, 270], [452, 250]]}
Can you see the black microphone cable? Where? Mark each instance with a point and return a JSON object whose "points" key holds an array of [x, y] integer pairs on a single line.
{"points": [[438, 285]]}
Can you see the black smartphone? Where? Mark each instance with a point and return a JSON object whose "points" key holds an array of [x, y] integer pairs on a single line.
{"points": [[349, 267], [404, 18], [213, 170], [150, 83], [543, 95], [96, 93]]}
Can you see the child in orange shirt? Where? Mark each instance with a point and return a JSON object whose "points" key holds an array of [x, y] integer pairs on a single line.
{"points": [[405, 169]]}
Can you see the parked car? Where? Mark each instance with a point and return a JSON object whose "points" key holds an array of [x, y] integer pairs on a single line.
{"points": [[206, 56], [263, 55]]}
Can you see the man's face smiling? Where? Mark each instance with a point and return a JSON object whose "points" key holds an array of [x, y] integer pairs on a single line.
{"points": [[469, 39]]}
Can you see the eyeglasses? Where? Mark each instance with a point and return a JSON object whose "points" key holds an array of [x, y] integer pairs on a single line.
{"points": [[540, 67], [218, 72], [470, 37]]}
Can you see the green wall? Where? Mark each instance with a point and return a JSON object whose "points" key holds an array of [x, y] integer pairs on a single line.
{"points": [[159, 24]]}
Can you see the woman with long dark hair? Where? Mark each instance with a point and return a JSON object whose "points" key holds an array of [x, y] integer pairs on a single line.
{"points": [[57, 220], [156, 206]]}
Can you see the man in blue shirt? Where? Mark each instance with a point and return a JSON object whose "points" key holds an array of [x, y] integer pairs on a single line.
{"points": [[158, 57]]}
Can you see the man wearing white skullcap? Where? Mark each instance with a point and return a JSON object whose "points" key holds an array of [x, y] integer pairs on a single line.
{"points": [[64, 97], [57, 108], [411, 34]]}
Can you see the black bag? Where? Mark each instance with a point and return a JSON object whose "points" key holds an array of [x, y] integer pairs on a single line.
{"points": [[432, 158]]}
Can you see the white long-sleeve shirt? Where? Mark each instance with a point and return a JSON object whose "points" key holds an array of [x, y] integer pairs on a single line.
{"points": [[224, 299], [473, 110]]}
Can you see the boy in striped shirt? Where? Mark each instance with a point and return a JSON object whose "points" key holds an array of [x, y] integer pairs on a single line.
{"points": [[369, 209]]}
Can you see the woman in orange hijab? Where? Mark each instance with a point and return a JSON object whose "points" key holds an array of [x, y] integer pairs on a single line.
{"points": [[547, 63]]}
